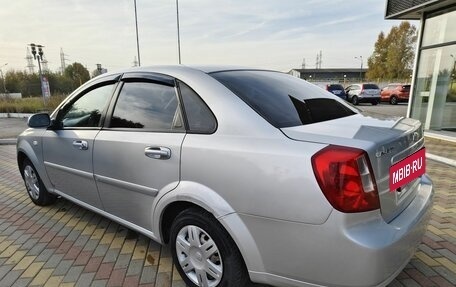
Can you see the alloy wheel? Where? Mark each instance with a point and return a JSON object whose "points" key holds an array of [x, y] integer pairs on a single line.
{"points": [[393, 100], [31, 182]]}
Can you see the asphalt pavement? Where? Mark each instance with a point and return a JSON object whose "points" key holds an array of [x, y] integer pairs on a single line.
{"points": [[384, 109]]}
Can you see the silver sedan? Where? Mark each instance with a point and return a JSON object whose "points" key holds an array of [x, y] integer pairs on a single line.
{"points": [[249, 175]]}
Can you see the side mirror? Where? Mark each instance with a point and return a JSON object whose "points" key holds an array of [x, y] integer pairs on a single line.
{"points": [[39, 121]]}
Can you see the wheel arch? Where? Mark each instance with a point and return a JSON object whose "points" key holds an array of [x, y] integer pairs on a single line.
{"points": [[26, 151], [193, 195]]}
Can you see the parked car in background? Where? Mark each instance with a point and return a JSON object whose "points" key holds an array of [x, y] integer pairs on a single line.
{"points": [[337, 89], [363, 93], [395, 93], [248, 175]]}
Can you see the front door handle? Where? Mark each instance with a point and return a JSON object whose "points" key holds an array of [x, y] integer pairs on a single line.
{"points": [[158, 152], [81, 145]]}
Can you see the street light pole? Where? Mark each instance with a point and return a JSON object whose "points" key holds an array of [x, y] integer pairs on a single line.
{"points": [[361, 70], [137, 35], [39, 57], [178, 32], [3, 78]]}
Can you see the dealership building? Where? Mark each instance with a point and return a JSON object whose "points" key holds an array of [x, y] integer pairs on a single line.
{"points": [[433, 94]]}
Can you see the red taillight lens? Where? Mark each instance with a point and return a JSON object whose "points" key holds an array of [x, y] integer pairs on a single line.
{"points": [[345, 177]]}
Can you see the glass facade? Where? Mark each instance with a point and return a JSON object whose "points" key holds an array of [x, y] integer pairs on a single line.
{"points": [[434, 95]]}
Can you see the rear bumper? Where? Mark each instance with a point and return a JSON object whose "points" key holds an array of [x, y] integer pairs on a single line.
{"points": [[347, 250], [368, 99]]}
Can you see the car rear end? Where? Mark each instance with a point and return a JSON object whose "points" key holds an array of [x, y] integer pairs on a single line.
{"points": [[378, 220], [373, 226], [403, 93], [337, 90], [370, 93]]}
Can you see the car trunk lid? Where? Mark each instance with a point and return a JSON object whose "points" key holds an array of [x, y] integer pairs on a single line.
{"points": [[386, 141]]}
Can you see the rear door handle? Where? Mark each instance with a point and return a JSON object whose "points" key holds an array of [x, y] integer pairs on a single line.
{"points": [[81, 145], [158, 152]]}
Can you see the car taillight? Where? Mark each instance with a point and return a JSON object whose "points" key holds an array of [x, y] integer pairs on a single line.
{"points": [[362, 92], [346, 179]]}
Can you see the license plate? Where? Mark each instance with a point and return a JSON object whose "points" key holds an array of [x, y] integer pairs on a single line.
{"points": [[337, 92], [407, 169]]}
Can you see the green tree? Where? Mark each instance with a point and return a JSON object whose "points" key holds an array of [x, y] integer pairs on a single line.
{"points": [[77, 73], [393, 54], [377, 61]]}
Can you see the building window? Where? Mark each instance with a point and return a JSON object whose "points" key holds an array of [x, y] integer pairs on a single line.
{"points": [[434, 96], [439, 29]]}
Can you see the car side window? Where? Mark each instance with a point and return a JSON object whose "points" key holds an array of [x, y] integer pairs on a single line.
{"points": [[199, 116], [149, 106], [86, 110]]}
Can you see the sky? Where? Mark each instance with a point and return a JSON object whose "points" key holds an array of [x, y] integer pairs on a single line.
{"points": [[271, 34]]}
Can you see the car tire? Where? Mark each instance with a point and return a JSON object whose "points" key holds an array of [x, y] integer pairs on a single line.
{"points": [[393, 100], [35, 187], [355, 100], [374, 103], [204, 253]]}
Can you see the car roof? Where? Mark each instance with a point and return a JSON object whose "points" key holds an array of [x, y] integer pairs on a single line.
{"points": [[188, 68]]}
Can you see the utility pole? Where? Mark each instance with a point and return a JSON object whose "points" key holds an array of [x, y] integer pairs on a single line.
{"points": [[30, 65], [135, 62], [303, 66], [39, 57], [62, 61], [137, 36], [320, 59], [178, 32], [361, 70]]}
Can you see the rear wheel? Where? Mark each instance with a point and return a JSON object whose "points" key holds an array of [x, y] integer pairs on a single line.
{"points": [[204, 253], [355, 100], [35, 187], [393, 100]]}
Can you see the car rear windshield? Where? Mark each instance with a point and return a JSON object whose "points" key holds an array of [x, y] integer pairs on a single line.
{"points": [[406, 87], [370, 87], [283, 100], [335, 87]]}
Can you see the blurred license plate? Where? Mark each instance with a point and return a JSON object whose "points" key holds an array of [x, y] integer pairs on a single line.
{"points": [[337, 92], [407, 169]]}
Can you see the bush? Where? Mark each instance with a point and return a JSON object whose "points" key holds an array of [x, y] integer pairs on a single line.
{"points": [[29, 105]]}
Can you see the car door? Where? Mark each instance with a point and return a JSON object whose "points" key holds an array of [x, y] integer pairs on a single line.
{"points": [[137, 153], [68, 145]]}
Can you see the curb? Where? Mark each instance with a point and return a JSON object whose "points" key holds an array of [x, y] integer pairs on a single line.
{"points": [[441, 159], [8, 141], [15, 115]]}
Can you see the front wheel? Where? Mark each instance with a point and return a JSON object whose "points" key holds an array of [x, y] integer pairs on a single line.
{"points": [[35, 187], [204, 253]]}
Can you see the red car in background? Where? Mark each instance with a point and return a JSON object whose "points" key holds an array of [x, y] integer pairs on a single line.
{"points": [[395, 93]]}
